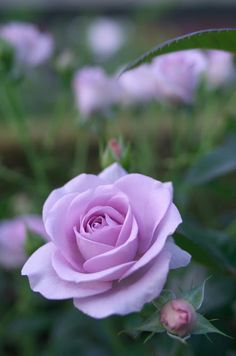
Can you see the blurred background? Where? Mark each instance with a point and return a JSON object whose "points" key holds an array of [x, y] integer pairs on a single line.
{"points": [[188, 141]]}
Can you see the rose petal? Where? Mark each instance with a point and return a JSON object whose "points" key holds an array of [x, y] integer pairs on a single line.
{"points": [[149, 200], [107, 235], [90, 248], [78, 184], [165, 229], [61, 232], [112, 173], [126, 228], [43, 278], [131, 294], [118, 255], [68, 273], [180, 258]]}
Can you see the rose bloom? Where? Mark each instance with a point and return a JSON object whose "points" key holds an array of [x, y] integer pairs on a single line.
{"points": [[138, 85], [220, 69], [178, 74], [94, 90], [110, 247], [13, 235], [32, 46], [105, 37]]}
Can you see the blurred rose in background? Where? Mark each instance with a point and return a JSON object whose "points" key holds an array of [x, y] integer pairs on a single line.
{"points": [[13, 234], [105, 37], [32, 46]]}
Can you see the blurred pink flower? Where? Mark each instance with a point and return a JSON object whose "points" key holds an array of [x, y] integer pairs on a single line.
{"points": [[221, 70], [178, 74], [13, 237], [138, 85], [94, 90], [110, 247], [105, 37], [32, 46]]}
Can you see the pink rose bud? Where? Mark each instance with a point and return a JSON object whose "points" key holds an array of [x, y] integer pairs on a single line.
{"points": [[116, 151], [178, 317], [115, 147]]}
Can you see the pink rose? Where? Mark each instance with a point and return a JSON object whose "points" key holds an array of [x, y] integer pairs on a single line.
{"points": [[13, 237], [110, 247], [220, 69], [105, 37], [32, 46], [178, 74], [138, 85], [94, 90]]}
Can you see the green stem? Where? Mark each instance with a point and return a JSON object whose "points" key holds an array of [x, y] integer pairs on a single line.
{"points": [[18, 119]]}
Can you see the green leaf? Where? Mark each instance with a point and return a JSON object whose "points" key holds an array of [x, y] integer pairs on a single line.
{"points": [[204, 326], [221, 39], [152, 324], [210, 247], [216, 163], [195, 296]]}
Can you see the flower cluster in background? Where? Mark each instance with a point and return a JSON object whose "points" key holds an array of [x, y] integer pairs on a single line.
{"points": [[173, 78]]}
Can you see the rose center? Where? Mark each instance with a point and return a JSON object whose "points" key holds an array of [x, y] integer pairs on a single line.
{"points": [[97, 222]]}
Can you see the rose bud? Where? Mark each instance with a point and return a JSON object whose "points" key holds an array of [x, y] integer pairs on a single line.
{"points": [[178, 317], [116, 151], [115, 147], [65, 65]]}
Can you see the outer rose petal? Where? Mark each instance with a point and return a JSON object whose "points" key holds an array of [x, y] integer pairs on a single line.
{"points": [[130, 294], [165, 229], [180, 258], [65, 271], [112, 173], [149, 200], [78, 184], [43, 278]]}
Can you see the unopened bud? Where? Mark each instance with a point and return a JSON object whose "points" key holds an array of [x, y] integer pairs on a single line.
{"points": [[115, 147], [65, 65], [116, 151], [178, 317]]}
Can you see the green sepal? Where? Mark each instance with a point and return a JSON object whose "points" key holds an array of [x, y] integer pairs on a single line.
{"points": [[195, 296], [204, 326]]}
